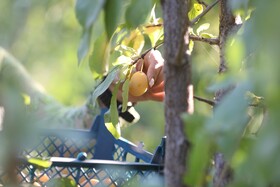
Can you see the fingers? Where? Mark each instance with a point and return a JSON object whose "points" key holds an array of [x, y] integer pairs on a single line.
{"points": [[139, 65], [157, 88], [153, 64], [157, 96]]}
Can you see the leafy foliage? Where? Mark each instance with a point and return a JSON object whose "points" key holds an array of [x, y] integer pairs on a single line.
{"points": [[40, 163], [118, 45], [244, 126]]}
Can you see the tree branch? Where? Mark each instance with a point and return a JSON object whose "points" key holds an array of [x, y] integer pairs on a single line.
{"points": [[208, 8], [202, 2], [210, 102], [178, 89], [226, 28], [211, 41], [223, 173], [145, 52]]}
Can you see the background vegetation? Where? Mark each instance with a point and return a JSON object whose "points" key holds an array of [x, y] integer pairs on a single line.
{"points": [[45, 36]]}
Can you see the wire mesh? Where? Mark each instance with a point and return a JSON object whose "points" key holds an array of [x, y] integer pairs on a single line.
{"points": [[130, 165]]}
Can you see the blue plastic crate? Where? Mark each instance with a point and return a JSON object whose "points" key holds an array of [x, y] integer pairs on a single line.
{"points": [[90, 157]]}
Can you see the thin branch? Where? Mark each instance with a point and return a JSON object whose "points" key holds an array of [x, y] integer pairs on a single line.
{"points": [[208, 8], [147, 51], [202, 3], [210, 102], [211, 41], [154, 25]]}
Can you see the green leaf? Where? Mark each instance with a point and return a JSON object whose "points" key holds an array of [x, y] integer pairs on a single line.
{"points": [[195, 11], [191, 46], [40, 163], [115, 130], [122, 60], [202, 27], [120, 33], [235, 53], [154, 33], [202, 143], [26, 99], [207, 35], [61, 182], [230, 120], [114, 11], [138, 12], [87, 11], [113, 107], [125, 90], [127, 51], [105, 84], [112, 116], [98, 61], [84, 45], [198, 161], [134, 41], [255, 123]]}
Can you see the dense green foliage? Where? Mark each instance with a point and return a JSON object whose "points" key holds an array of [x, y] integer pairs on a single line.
{"points": [[51, 42]]}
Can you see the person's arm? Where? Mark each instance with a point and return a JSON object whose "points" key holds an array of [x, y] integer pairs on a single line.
{"points": [[152, 65]]}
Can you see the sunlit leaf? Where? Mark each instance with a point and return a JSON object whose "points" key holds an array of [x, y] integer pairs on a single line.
{"points": [[122, 60], [125, 90], [127, 51], [115, 130], [114, 11], [202, 27], [191, 46], [207, 35], [135, 40], [113, 107], [105, 84], [40, 163], [138, 43], [112, 116], [154, 33], [61, 182], [195, 11], [138, 12], [98, 61], [87, 11], [26, 99]]}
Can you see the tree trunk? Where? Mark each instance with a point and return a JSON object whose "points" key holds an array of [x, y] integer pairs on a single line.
{"points": [[178, 89]]}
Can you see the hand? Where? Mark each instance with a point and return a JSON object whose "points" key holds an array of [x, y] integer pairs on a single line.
{"points": [[152, 65]]}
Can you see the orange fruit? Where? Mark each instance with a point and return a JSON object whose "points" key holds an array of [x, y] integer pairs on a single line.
{"points": [[44, 178], [37, 184], [92, 182], [138, 84], [109, 182]]}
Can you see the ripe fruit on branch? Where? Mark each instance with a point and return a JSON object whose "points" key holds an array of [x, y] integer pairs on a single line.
{"points": [[138, 84]]}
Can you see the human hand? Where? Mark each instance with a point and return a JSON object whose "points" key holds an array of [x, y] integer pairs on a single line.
{"points": [[152, 65]]}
